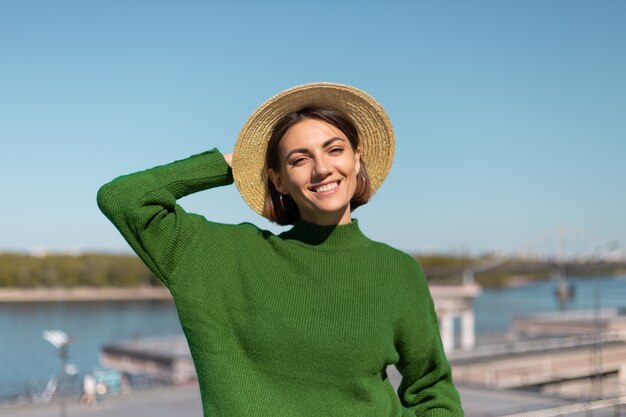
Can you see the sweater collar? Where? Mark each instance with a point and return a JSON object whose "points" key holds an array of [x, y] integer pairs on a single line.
{"points": [[343, 236]]}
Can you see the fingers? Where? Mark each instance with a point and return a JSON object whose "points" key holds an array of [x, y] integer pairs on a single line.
{"points": [[229, 158]]}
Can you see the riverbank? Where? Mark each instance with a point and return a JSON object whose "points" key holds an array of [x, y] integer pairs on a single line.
{"points": [[160, 293], [16, 295]]}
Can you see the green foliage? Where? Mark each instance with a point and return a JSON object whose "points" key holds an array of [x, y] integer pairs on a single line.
{"points": [[429, 261], [510, 271], [502, 279], [90, 270]]}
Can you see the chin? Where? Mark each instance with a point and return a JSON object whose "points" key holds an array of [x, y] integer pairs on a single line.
{"points": [[329, 212]]}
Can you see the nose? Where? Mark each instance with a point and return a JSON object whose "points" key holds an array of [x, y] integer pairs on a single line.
{"points": [[321, 167]]}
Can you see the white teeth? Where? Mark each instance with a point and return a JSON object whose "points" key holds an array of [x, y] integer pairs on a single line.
{"points": [[326, 187]]}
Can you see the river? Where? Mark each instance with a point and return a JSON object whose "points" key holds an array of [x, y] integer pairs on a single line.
{"points": [[25, 358]]}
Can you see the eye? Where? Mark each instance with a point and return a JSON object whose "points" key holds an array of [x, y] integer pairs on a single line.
{"points": [[298, 161], [337, 150]]}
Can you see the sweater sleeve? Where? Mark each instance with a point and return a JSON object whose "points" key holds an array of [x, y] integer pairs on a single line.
{"points": [[426, 388], [143, 207]]}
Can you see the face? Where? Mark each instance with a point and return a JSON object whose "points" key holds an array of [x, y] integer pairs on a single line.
{"points": [[318, 169]]}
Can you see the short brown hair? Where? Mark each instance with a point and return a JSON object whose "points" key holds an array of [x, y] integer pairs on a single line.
{"points": [[273, 208]]}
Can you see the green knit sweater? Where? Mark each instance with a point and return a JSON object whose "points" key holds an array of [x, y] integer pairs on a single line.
{"points": [[301, 324]]}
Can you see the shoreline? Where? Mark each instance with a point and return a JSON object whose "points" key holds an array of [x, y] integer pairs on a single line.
{"points": [[78, 294], [27, 295]]}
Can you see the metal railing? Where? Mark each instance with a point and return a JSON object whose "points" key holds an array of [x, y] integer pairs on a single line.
{"points": [[528, 346], [565, 410]]}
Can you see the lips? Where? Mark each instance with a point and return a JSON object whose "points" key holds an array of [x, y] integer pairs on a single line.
{"points": [[326, 188]]}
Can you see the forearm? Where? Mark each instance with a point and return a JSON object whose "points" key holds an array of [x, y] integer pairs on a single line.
{"points": [[183, 177], [429, 391], [427, 388]]}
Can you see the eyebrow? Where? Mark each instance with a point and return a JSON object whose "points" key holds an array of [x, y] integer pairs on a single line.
{"points": [[325, 144]]}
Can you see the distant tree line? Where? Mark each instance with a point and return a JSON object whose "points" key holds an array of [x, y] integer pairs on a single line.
{"points": [[108, 270], [443, 268], [86, 270]]}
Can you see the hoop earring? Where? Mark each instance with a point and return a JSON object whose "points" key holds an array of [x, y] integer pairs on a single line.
{"points": [[360, 177], [282, 203]]}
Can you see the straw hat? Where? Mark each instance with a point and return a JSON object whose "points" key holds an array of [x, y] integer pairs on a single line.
{"points": [[376, 135]]}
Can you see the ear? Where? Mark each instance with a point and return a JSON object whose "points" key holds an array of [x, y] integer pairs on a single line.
{"points": [[357, 161], [277, 180]]}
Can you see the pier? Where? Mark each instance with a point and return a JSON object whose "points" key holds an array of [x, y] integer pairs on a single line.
{"points": [[551, 350], [165, 359], [542, 362]]}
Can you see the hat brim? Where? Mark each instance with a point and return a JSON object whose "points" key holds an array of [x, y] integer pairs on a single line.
{"points": [[377, 142]]}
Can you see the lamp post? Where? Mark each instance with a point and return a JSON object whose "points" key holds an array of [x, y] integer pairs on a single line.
{"points": [[59, 340]]}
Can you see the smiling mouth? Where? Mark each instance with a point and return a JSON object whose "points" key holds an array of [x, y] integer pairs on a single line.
{"points": [[327, 188]]}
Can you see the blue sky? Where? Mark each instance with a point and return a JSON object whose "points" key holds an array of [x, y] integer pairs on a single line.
{"points": [[509, 115]]}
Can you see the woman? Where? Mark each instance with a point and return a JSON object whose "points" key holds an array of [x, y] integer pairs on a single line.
{"points": [[303, 323]]}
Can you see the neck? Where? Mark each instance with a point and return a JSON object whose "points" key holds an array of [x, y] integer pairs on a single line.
{"points": [[327, 237]]}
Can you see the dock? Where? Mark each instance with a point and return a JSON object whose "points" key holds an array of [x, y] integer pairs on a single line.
{"points": [[165, 359]]}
